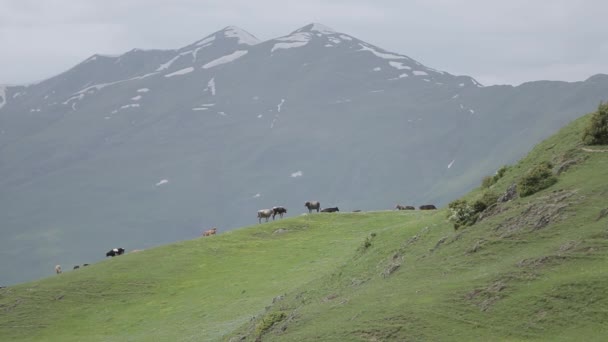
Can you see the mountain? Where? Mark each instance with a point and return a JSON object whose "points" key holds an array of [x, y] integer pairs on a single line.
{"points": [[530, 268], [155, 146]]}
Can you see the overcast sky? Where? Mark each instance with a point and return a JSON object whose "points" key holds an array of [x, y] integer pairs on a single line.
{"points": [[494, 41]]}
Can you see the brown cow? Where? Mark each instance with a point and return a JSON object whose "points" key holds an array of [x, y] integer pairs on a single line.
{"points": [[312, 205], [404, 207], [264, 213], [210, 232]]}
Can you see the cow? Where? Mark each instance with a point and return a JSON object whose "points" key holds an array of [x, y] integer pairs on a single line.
{"points": [[312, 205], [115, 251], [427, 207], [210, 232], [330, 210], [76, 267], [58, 269], [264, 213], [357, 211], [85, 265], [404, 207], [278, 211]]}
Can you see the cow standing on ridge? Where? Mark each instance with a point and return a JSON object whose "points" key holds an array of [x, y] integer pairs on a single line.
{"points": [[278, 211], [210, 232], [312, 205], [264, 213]]}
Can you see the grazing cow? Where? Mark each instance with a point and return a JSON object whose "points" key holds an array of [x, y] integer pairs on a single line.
{"points": [[58, 269], [404, 207], [427, 207], [115, 251], [330, 210], [210, 232], [76, 267], [312, 205], [278, 211], [85, 265], [357, 211], [264, 213]]}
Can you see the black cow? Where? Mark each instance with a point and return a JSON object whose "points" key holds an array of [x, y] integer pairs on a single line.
{"points": [[115, 251], [85, 265], [76, 267], [312, 205], [330, 210], [278, 211], [427, 207]]}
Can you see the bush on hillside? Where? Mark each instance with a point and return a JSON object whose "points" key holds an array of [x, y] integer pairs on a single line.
{"points": [[461, 213], [487, 200], [596, 133], [464, 214], [488, 181], [537, 178]]}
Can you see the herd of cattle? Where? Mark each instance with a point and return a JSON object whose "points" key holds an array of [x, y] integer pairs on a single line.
{"points": [[266, 214], [316, 205]]}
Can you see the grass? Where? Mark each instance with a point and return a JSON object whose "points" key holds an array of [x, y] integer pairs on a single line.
{"points": [[534, 269]]}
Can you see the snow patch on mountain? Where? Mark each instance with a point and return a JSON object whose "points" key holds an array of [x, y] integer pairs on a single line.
{"points": [[162, 182], [168, 64], [132, 105], [143, 90], [345, 37], [180, 72], [199, 108], [399, 65], [279, 105], [211, 86], [294, 40], [74, 98], [296, 174], [3, 99], [420, 73], [451, 163], [136, 98], [383, 55], [225, 59]]}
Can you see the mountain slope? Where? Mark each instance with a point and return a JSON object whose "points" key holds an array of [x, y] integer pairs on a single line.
{"points": [[532, 269], [154, 146]]}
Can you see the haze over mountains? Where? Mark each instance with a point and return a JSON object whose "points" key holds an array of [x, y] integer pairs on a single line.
{"points": [[154, 146]]}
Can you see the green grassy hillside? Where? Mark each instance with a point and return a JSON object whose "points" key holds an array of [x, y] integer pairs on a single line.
{"points": [[533, 268]]}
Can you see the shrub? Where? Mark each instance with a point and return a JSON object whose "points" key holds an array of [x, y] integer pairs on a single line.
{"points": [[537, 178], [486, 200], [461, 213], [488, 181], [596, 133], [268, 321]]}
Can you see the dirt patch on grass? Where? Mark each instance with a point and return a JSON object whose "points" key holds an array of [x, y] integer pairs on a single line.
{"points": [[393, 265], [544, 211], [484, 298], [602, 214]]}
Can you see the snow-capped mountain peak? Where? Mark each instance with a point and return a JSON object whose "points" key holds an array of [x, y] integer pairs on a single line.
{"points": [[231, 32], [316, 28], [243, 36]]}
